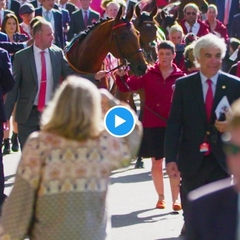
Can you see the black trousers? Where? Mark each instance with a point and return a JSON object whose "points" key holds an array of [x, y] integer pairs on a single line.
{"points": [[2, 196], [210, 171], [30, 126]]}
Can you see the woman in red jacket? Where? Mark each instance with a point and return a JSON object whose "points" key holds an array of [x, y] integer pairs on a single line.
{"points": [[157, 84], [215, 26]]}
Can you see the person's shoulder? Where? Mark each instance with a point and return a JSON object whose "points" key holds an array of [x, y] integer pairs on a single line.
{"points": [[3, 51], [55, 49], [75, 13], [207, 191], [56, 11], [94, 12], [229, 77], [24, 51], [187, 78]]}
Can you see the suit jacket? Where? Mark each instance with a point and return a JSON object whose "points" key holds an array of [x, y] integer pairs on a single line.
{"points": [[15, 5], [212, 212], [71, 8], [65, 22], [203, 30], [187, 126], [26, 86], [58, 32], [6, 80], [3, 37], [77, 23], [235, 30], [234, 9], [35, 4]]}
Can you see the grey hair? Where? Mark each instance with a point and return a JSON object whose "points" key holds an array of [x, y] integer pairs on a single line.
{"points": [[209, 41], [192, 5]]}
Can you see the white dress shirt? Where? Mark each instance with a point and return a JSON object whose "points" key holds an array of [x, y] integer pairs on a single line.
{"points": [[50, 15], [195, 27], [37, 56], [205, 84]]}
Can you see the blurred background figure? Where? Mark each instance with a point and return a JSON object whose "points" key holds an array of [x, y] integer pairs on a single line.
{"points": [[27, 13], [215, 26], [73, 185]]}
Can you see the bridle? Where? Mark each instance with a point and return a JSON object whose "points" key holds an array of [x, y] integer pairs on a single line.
{"points": [[123, 56]]}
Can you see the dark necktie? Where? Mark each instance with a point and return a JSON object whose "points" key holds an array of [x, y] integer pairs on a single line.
{"points": [[86, 18], [209, 100]]}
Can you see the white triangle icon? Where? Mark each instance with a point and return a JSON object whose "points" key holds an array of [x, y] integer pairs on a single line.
{"points": [[119, 121]]}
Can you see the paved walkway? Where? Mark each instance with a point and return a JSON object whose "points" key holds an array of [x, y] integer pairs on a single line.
{"points": [[132, 200]]}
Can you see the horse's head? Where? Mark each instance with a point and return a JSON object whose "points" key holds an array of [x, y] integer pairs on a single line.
{"points": [[146, 25], [125, 43], [167, 20]]}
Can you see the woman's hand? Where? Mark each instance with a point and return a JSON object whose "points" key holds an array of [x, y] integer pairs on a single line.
{"points": [[100, 74]]}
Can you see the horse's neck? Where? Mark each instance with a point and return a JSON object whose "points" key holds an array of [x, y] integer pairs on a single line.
{"points": [[94, 48]]}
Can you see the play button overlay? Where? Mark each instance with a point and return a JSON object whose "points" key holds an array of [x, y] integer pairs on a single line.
{"points": [[119, 121]]}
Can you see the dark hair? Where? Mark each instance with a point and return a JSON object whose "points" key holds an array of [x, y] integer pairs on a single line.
{"points": [[4, 22], [166, 45], [234, 43]]}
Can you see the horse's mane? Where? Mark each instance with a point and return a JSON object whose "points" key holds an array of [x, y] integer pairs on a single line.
{"points": [[82, 35]]}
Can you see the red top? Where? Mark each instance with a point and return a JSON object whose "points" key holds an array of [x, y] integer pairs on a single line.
{"points": [[158, 93], [220, 29], [203, 30], [23, 32], [162, 3]]}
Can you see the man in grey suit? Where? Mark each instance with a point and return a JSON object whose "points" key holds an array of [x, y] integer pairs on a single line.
{"points": [[28, 74], [81, 19]]}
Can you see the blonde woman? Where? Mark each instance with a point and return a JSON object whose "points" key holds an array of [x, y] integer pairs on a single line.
{"points": [[62, 178]]}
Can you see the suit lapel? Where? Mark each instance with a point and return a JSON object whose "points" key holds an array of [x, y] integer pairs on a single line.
{"points": [[31, 60], [219, 93], [198, 93]]}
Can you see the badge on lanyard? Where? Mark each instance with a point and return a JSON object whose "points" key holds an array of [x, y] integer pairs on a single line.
{"points": [[204, 147]]}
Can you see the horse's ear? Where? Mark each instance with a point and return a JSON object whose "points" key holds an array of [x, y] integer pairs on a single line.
{"points": [[175, 17], [154, 12], [129, 14], [137, 10], [119, 15], [162, 15]]}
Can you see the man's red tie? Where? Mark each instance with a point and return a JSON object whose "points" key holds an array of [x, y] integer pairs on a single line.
{"points": [[209, 100], [43, 84], [86, 18]]}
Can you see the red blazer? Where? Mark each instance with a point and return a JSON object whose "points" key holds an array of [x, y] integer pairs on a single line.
{"points": [[203, 30], [158, 93], [220, 28]]}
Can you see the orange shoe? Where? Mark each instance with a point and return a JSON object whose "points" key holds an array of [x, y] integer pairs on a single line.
{"points": [[177, 206], [161, 204]]}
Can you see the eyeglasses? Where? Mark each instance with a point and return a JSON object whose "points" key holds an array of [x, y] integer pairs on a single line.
{"points": [[191, 13], [230, 148]]}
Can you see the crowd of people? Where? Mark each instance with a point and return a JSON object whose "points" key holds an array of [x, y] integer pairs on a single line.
{"points": [[67, 156]]}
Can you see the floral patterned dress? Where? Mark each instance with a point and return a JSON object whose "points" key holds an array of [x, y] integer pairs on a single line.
{"points": [[61, 187]]}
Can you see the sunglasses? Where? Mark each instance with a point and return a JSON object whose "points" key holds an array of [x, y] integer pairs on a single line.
{"points": [[230, 148], [191, 13]]}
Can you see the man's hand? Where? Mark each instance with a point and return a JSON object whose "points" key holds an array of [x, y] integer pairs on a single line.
{"points": [[221, 126], [172, 170]]}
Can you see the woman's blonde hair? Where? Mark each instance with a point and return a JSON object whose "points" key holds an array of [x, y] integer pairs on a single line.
{"points": [[75, 111]]}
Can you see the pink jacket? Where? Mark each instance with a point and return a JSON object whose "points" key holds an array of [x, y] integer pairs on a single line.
{"points": [[158, 93]]}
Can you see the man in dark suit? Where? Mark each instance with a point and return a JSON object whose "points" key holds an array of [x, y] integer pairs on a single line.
{"points": [[65, 23], [64, 4], [232, 10], [54, 17], [6, 85], [29, 69], [38, 4], [214, 208], [14, 6], [193, 143], [82, 18]]}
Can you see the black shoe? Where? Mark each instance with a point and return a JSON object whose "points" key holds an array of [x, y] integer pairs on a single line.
{"points": [[15, 143], [6, 144], [139, 163]]}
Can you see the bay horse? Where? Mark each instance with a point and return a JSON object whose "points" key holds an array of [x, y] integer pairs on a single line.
{"points": [[87, 50]]}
